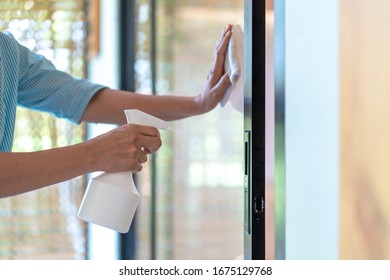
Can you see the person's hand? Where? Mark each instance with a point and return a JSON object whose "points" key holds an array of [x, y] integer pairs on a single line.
{"points": [[217, 81], [124, 148]]}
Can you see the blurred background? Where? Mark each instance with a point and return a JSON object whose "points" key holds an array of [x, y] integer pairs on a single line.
{"points": [[331, 122], [332, 129], [365, 130]]}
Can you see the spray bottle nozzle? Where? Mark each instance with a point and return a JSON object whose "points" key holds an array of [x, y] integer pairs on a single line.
{"points": [[134, 116]]}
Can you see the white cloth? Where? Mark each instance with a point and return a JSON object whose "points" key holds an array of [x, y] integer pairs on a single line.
{"points": [[234, 62]]}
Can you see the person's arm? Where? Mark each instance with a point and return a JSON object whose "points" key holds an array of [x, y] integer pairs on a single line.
{"points": [[108, 104], [122, 149]]}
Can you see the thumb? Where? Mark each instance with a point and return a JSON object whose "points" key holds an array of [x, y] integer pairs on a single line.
{"points": [[223, 84]]}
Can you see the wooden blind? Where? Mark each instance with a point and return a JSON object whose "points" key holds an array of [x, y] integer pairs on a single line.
{"points": [[43, 224]]}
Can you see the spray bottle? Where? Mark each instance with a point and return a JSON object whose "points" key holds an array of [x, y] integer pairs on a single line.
{"points": [[111, 199]]}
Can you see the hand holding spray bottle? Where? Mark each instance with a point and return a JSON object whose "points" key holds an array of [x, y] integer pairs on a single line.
{"points": [[111, 199]]}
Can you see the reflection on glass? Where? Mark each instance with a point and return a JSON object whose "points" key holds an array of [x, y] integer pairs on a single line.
{"points": [[199, 168]]}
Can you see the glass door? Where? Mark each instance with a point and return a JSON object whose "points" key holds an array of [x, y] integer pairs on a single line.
{"points": [[192, 209]]}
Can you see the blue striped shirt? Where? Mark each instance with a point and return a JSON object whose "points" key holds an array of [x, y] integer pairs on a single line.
{"points": [[30, 80]]}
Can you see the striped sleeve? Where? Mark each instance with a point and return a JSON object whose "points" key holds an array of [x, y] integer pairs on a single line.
{"points": [[44, 88]]}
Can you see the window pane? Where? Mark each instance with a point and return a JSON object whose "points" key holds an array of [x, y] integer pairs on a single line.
{"points": [[199, 168], [43, 224]]}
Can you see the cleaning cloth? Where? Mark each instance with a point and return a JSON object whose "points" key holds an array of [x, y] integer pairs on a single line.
{"points": [[234, 62]]}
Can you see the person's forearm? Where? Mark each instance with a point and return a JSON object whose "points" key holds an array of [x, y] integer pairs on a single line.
{"points": [[23, 172], [108, 105]]}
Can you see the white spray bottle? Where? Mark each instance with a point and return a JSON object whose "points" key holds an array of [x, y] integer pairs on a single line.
{"points": [[111, 199]]}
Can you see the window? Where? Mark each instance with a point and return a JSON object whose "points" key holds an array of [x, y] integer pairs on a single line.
{"points": [[43, 224], [193, 208]]}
